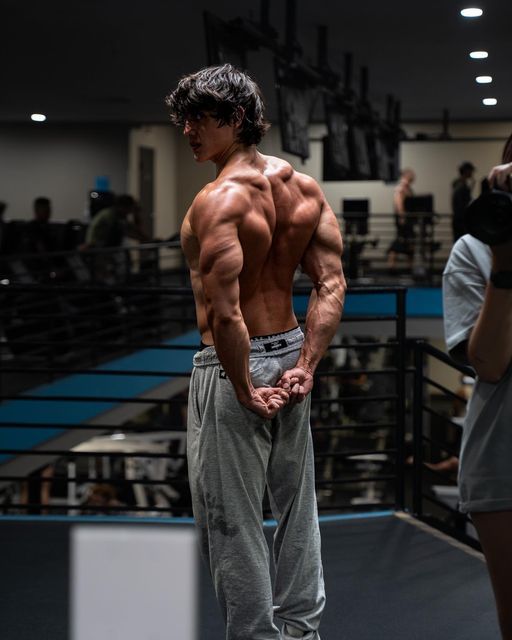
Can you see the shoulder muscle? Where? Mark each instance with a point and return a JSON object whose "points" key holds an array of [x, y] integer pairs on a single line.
{"points": [[216, 217]]}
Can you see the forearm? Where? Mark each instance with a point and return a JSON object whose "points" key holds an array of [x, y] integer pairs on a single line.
{"points": [[232, 344], [322, 320]]}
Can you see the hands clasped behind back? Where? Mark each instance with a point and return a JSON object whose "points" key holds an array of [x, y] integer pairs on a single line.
{"points": [[292, 386], [266, 401], [297, 382]]}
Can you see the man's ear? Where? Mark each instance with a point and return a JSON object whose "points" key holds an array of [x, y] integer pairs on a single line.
{"points": [[238, 116]]}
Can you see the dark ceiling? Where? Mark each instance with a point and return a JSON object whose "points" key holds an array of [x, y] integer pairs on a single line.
{"points": [[114, 61]]}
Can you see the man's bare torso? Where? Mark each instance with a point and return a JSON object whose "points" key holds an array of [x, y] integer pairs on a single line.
{"points": [[276, 211]]}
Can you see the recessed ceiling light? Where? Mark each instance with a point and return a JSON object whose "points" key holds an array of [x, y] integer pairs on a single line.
{"points": [[483, 79], [471, 12], [478, 55], [490, 102], [38, 117]]}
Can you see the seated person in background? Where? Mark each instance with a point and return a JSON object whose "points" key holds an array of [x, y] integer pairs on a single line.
{"points": [[100, 497], [477, 288], [109, 226], [38, 236], [404, 242]]}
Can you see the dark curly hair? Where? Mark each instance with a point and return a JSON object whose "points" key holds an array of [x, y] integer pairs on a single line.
{"points": [[221, 91]]}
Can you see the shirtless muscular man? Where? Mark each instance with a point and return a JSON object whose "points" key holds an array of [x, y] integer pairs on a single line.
{"points": [[244, 236]]}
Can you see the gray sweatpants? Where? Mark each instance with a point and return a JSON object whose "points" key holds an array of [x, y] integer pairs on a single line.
{"points": [[232, 455]]}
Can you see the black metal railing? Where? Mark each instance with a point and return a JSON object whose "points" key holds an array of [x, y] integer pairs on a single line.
{"points": [[359, 453], [366, 254], [437, 433]]}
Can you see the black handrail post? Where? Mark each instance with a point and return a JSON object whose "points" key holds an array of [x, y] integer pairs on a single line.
{"points": [[157, 266], [400, 392], [127, 265], [418, 429]]}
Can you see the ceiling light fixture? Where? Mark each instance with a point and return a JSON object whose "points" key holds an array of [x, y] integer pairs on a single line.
{"points": [[490, 102], [38, 117], [478, 55], [483, 79], [471, 12]]}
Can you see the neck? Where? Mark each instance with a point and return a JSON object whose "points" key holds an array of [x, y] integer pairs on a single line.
{"points": [[233, 153]]}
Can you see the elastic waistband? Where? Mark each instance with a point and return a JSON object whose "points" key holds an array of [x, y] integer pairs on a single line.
{"points": [[261, 347]]}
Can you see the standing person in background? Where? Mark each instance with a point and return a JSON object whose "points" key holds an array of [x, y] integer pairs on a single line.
{"points": [[38, 237], [477, 288], [404, 241], [461, 197], [244, 236], [109, 226]]}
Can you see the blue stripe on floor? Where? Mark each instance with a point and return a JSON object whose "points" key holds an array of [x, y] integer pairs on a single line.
{"points": [[343, 516], [156, 520], [56, 412]]}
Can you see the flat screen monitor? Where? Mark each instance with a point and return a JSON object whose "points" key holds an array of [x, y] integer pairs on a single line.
{"points": [[336, 155], [420, 204], [355, 205], [355, 215]]}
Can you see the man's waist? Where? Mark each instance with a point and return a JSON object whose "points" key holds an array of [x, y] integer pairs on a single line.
{"points": [[261, 346], [275, 341]]}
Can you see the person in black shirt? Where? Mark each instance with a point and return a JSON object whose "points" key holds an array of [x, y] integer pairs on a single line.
{"points": [[38, 232], [461, 197]]}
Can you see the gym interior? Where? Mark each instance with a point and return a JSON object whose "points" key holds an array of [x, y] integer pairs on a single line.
{"points": [[96, 344]]}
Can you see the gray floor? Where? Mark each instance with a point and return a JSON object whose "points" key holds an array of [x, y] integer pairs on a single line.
{"points": [[386, 579]]}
